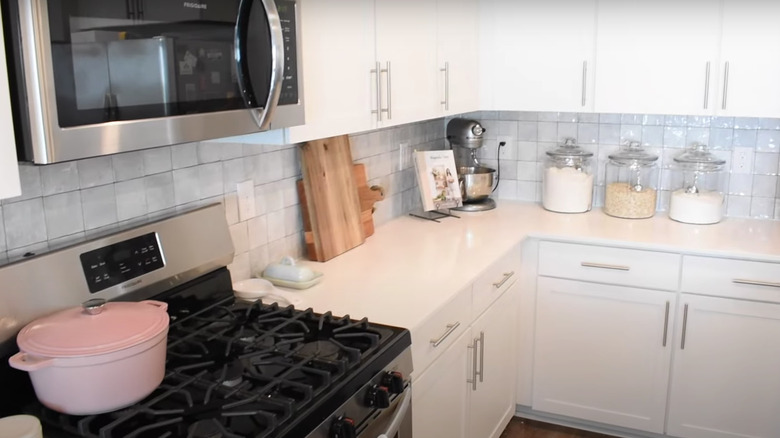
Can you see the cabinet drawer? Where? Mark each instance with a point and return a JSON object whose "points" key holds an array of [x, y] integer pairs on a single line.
{"points": [[495, 280], [601, 264], [742, 279], [440, 330]]}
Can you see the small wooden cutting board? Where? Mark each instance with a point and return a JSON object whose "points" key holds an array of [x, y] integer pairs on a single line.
{"points": [[330, 202]]}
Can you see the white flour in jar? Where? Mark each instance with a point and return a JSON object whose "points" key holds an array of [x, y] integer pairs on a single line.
{"points": [[567, 190], [696, 208]]}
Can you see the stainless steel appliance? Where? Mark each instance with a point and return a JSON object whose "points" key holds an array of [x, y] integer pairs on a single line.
{"points": [[233, 368], [476, 181], [95, 77]]}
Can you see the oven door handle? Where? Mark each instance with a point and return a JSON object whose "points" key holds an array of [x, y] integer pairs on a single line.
{"points": [[403, 410], [262, 115]]}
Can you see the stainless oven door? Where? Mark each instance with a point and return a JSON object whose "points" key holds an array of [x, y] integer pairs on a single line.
{"points": [[393, 422], [108, 76]]}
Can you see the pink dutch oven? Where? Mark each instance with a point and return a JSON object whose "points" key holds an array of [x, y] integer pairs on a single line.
{"points": [[96, 358]]}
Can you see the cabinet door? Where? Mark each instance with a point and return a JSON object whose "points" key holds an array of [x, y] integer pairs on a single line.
{"points": [[440, 395], [406, 48], [602, 353], [725, 381], [338, 56], [493, 401], [539, 54], [458, 22], [656, 56], [9, 169], [751, 85]]}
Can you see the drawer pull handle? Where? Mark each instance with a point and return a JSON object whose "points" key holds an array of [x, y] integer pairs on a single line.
{"points": [[602, 266], [507, 276], [755, 283], [450, 329]]}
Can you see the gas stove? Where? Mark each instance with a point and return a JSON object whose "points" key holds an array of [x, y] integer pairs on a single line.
{"points": [[237, 368]]}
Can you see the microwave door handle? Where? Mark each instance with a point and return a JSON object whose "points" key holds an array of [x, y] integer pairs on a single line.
{"points": [[263, 115]]}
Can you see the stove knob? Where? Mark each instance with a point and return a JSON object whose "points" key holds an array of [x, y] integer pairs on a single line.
{"points": [[343, 427], [394, 381], [378, 397]]}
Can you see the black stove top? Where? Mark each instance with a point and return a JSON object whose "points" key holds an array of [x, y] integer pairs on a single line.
{"points": [[238, 369]]}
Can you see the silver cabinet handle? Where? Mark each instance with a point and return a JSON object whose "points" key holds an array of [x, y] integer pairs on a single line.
{"points": [[473, 380], [378, 82], [446, 71], [755, 283], [389, 109], [666, 323], [725, 85], [507, 276], [481, 356], [707, 86], [450, 329], [584, 82], [685, 327], [603, 266]]}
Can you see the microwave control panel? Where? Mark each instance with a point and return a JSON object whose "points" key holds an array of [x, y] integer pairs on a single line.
{"points": [[287, 16], [114, 264]]}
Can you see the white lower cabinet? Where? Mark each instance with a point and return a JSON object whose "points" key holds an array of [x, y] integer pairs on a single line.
{"points": [[726, 371], [468, 391], [440, 396], [602, 352], [492, 402]]}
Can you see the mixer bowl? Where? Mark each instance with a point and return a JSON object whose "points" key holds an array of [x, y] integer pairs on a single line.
{"points": [[476, 183]]}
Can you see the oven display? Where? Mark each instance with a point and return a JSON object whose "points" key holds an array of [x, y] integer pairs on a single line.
{"points": [[114, 264]]}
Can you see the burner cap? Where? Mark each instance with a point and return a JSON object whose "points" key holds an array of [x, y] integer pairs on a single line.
{"points": [[320, 350], [205, 429]]}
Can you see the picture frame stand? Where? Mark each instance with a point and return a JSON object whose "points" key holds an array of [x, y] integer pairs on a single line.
{"points": [[434, 215]]}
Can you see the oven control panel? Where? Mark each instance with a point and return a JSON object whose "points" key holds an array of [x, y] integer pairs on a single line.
{"points": [[114, 264]]}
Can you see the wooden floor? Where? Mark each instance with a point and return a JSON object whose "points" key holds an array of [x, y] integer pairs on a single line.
{"points": [[522, 428]]}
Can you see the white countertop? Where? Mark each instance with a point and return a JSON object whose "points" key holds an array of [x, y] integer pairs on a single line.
{"points": [[410, 267]]}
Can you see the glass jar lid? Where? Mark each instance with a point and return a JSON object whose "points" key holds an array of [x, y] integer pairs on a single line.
{"points": [[569, 149], [699, 158], [633, 154]]}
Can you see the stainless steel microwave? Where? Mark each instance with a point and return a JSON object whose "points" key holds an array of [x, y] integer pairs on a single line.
{"points": [[97, 77]]}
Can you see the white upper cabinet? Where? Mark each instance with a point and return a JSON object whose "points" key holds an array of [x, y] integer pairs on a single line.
{"points": [[338, 55], [9, 169], [657, 56], [750, 62], [538, 55], [458, 55], [725, 380], [406, 56]]}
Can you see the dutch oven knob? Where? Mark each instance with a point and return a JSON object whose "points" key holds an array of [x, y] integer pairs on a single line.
{"points": [[94, 306]]}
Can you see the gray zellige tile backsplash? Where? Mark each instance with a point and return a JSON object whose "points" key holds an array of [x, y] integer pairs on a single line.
{"points": [[751, 147], [69, 202]]}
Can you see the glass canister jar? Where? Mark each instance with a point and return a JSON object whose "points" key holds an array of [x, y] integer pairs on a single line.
{"points": [[698, 181], [631, 183], [567, 183]]}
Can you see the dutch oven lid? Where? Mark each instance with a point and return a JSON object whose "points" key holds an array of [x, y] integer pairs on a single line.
{"points": [[97, 327]]}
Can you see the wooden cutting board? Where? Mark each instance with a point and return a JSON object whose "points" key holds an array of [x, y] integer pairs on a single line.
{"points": [[368, 197], [329, 200]]}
